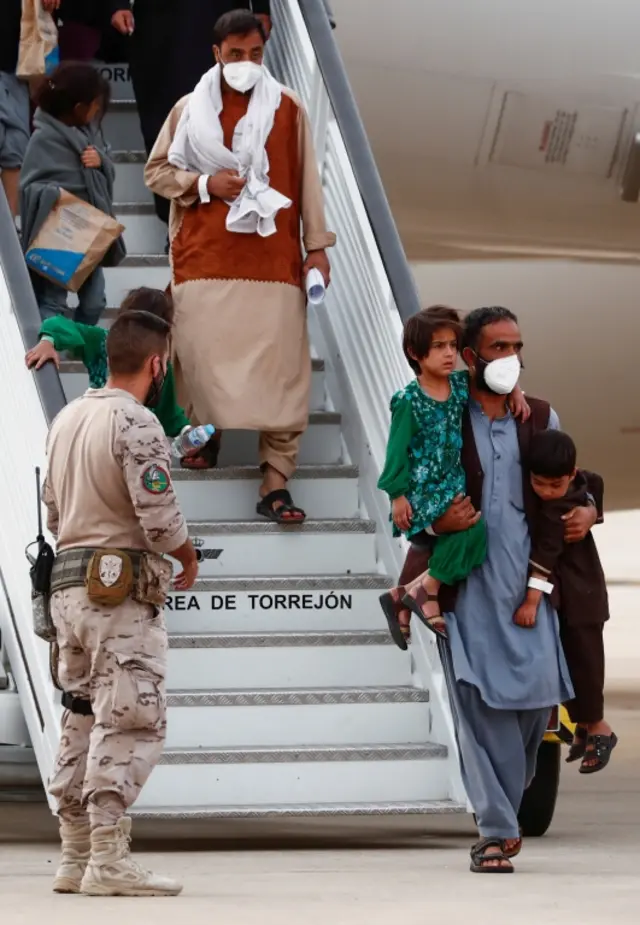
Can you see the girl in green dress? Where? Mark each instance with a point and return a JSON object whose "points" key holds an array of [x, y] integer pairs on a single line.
{"points": [[423, 471]]}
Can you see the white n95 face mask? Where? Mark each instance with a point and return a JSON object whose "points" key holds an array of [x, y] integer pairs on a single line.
{"points": [[242, 75], [502, 375]]}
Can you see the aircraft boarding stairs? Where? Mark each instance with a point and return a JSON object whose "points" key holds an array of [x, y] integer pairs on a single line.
{"points": [[286, 695]]}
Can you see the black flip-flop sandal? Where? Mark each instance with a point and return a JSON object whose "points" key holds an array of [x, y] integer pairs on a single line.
{"points": [[414, 604], [602, 748], [207, 455], [265, 509], [578, 746], [389, 608], [480, 860]]}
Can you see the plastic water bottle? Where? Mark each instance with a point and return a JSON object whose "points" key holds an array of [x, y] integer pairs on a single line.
{"points": [[192, 440]]}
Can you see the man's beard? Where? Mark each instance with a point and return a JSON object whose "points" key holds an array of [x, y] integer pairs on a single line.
{"points": [[479, 379]]}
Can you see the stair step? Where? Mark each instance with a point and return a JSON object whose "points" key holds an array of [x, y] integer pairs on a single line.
{"points": [[280, 717], [129, 183], [286, 659], [77, 367], [295, 697], [135, 270], [289, 810], [129, 157], [19, 773], [334, 774], [136, 208], [232, 492], [326, 602], [75, 379], [321, 443], [121, 126], [267, 640], [144, 232], [300, 753], [317, 547], [141, 261]]}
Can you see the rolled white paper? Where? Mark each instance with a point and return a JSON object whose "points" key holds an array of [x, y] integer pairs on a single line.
{"points": [[315, 286]]}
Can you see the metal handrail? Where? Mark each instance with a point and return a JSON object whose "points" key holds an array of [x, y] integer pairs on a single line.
{"points": [[318, 19], [47, 382], [329, 11], [26, 310]]}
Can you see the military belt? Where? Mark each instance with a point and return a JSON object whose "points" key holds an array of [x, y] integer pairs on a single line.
{"points": [[78, 705], [70, 566]]}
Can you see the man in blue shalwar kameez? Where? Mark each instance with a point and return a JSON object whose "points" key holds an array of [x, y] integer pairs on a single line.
{"points": [[503, 679]]}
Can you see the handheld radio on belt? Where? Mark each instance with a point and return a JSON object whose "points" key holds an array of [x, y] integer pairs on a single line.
{"points": [[40, 574], [43, 626]]}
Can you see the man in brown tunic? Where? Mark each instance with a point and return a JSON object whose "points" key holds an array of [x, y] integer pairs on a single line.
{"points": [[241, 345]]}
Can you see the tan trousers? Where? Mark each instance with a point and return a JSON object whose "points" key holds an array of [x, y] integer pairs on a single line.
{"points": [[117, 659], [280, 451], [276, 449]]}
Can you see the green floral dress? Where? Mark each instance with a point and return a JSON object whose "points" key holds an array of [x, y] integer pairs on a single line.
{"points": [[423, 453]]}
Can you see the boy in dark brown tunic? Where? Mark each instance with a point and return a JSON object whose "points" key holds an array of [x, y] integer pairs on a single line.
{"points": [[576, 570]]}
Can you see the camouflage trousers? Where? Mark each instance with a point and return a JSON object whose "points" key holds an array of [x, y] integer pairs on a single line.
{"points": [[116, 658]]}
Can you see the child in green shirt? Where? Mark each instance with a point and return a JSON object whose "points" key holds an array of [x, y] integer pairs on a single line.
{"points": [[88, 343]]}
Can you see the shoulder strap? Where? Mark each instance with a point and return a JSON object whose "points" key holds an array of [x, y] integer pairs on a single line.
{"points": [[540, 413], [471, 460], [539, 420]]}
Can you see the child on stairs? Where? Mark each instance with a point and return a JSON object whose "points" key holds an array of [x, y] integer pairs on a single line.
{"points": [[88, 344], [67, 152], [423, 472]]}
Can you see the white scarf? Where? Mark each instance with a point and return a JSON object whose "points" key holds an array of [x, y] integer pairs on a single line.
{"points": [[198, 146]]}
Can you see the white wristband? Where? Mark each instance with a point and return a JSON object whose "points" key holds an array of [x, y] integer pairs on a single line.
{"points": [[203, 192], [539, 585]]}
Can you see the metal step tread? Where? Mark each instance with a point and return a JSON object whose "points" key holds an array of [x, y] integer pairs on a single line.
{"points": [[280, 640], [243, 527], [280, 810], [223, 473], [128, 157], [301, 753], [366, 582], [134, 208], [77, 366], [295, 697], [122, 105], [144, 260]]}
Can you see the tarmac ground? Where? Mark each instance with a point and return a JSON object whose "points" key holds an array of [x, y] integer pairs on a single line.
{"points": [[405, 871]]}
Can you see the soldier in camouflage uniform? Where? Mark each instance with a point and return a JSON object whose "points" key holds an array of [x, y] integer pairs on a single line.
{"points": [[112, 507]]}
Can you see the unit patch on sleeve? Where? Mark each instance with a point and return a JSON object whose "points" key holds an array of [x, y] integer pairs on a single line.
{"points": [[155, 480]]}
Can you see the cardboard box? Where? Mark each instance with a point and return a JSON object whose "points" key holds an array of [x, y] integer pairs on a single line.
{"points": [[72, 242]]}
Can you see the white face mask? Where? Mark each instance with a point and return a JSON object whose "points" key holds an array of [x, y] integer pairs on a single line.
{"points": [[242, 75], [502, 375]]}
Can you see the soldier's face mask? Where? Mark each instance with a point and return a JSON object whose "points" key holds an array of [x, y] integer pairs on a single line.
{"points": [[157, 382]]}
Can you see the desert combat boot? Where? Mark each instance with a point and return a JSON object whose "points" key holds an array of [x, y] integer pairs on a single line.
{"points": [[76, 851], [111, 870]]}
